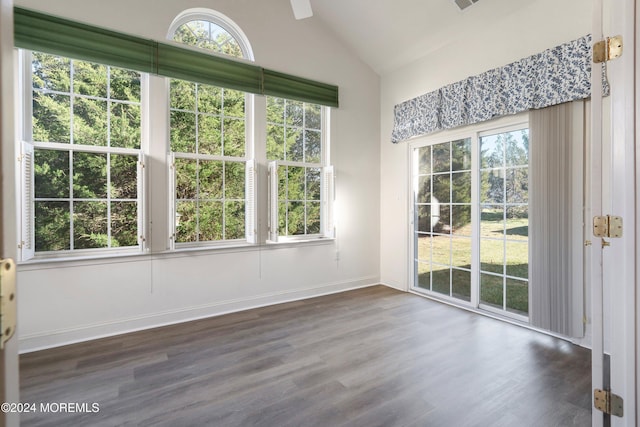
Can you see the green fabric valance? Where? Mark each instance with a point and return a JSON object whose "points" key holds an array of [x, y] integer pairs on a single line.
{"points": [[45, 33]]}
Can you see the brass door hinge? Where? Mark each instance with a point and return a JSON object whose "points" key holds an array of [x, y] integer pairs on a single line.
{"points": [[608, 402], [607, 49], [7, 300], [607, 226]]}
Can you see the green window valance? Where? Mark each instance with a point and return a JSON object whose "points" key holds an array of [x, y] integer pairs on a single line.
{"points": [[46, 33]]}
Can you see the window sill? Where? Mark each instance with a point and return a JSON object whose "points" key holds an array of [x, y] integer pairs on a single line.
{"points": [[119, 257]]}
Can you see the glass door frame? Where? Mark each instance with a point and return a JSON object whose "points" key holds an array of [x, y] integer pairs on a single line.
{"points": [[473, 132]]}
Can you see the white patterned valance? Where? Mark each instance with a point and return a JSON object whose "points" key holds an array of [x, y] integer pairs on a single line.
{"points": [[557, 75]]}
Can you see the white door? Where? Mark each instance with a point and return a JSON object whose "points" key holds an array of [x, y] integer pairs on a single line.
{"points": [[9, 354], [613, 192]]}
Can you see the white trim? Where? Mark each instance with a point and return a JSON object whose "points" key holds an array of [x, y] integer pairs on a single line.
{"points": [[60, 337], [217, 18]]}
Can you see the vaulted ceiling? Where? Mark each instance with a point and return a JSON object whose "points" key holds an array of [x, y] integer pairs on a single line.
{"points": [[389, 34]]}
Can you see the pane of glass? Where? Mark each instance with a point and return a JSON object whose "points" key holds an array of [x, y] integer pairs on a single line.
{"points": [[461, 155], [492, 186], [210, 180], [124, 176], [441, 280], [283, 190], [461, 252], [234, 180], [52, 226], [313, 217], [234, 227], [186, 222], [124, 224], [517, 147], [125, 85], [89, 121], [125, 125], [186, 179], [517, 223], [275, 110], [313, 184], [312, 146], [492, 151], [51, 72], [295, 183], [461, 187], [461, 220], [312, 116], [233, 103], [424, 218], [491, 290], [423, 247], [90, 225], [517, 263], [517, 300], [441, 250], [441, 188], [89, 79], [295, 145], [441, 213], [209, 99], [282, 218], [424, 275], [210, 221], [517, 183], [89, 175], [295, 218], [275, 142], [424, 189], [51, 170], [51, 118], [182, 95], [461, 284], [294, 113], [234, 137], [424, 160], [492, 221], [209, 135], [492, 256], [183, 132], [441, 157]]}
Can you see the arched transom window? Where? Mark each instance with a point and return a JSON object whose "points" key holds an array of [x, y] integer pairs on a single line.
{"points": [[210, 30]]}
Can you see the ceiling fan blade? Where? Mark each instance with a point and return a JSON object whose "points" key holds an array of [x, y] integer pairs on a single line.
{"points": [[301, 9]]}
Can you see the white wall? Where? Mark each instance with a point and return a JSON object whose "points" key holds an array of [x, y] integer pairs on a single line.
{"points": [[540, 25], [69, 301]]}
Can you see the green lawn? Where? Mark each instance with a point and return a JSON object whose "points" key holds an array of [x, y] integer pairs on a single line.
{"points": [[456, 251]]}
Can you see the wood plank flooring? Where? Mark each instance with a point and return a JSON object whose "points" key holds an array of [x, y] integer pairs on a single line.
{"points": [[369, 357]]}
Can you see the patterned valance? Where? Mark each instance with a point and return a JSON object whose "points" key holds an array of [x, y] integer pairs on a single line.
{"points": [[557, 75]]}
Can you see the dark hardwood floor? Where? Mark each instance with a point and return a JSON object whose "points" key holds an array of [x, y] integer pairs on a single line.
{"points": [[370, 357]]}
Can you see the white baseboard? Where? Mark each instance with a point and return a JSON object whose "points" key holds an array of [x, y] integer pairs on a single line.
{"points": [[57, 338]]}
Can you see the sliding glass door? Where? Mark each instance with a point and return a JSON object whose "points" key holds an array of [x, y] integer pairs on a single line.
{"points": [[504, 221], [442, 233], [470, 225]]}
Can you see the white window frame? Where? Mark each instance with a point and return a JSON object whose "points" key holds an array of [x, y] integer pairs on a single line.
{"points": [[327, 191], [219, 19], [27, 147]]}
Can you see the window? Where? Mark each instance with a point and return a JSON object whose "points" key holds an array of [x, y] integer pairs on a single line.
{"points": [[207, 128], [300, 180], [82, 156], [470, 225], [87, 129], [208, 141]]}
